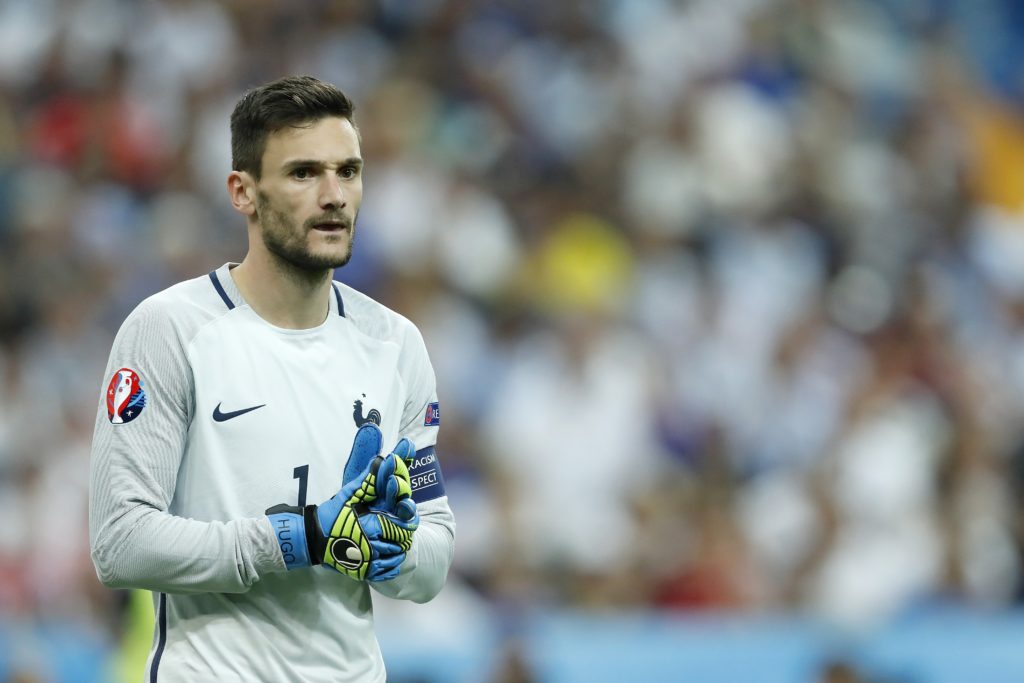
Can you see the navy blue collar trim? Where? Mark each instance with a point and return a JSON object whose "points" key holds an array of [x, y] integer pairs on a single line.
{"points": [[341, 306], [220, 290], [230, 304]]}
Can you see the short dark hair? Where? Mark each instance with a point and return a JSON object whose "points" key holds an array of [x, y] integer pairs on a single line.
{"points": [[288, 101]]}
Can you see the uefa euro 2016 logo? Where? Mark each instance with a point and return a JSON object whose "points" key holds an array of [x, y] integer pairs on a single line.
{"points": [[433, 416], [125, 396]]}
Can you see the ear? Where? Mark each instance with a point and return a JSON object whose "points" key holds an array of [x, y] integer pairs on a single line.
{"points": [[242, 192]]}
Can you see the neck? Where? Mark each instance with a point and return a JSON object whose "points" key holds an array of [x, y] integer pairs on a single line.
{"points": [[282, 294]]}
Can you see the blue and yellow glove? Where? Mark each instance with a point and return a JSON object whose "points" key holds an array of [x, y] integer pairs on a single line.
{"points": [[366, 529], [395, 496]]}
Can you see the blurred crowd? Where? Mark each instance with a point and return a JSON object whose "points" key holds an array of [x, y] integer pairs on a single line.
{"points": [[725, 298]]}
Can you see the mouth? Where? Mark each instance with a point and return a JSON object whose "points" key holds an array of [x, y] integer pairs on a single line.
{"points": [[331, 226]]}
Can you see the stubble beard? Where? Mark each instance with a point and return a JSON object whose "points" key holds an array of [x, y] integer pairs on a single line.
{"points": [[289, 242]]}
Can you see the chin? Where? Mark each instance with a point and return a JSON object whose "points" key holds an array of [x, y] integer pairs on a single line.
{"points": [[331, 260], [329, 255]]}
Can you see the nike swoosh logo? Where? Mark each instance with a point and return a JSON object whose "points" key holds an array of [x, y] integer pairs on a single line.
{"points": [[224, 417]]}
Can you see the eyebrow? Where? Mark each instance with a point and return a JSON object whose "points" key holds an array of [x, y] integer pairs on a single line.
{"points": [[356, 162]]}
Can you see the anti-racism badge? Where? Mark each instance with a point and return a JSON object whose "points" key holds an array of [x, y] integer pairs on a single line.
{"points": [[125, 396]]}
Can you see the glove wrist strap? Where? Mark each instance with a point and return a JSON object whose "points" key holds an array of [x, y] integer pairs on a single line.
{"points": [[291, 533], [316, 539]]}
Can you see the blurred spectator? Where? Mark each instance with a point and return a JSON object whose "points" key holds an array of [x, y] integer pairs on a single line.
{"points": [[840, 672]]}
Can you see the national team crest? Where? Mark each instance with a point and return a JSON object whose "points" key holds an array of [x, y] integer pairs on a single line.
{"points": [[125, 396]]}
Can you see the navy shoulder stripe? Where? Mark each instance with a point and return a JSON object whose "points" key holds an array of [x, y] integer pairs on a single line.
{"points": [[220, 290], [337, 295]]}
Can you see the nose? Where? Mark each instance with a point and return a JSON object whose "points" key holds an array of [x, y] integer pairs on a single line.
{"points": [[332, 194]]}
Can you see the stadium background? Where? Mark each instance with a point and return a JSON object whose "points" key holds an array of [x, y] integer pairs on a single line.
{"points": [[725, 300]]}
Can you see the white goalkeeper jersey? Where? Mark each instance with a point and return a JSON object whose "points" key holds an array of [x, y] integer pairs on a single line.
{"points": [[209, 416]]}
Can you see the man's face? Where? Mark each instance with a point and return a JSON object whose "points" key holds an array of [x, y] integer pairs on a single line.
{"points": [[309, 195]]}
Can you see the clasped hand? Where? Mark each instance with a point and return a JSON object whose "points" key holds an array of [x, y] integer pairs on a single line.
{"points": [[366, 529]]}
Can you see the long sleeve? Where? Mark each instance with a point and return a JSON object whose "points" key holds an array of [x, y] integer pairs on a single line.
{"points": [[136, 452], [424, 572], [433, 547]]}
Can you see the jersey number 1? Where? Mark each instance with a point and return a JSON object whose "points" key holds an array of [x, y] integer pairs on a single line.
{"points": [[302, 474]]}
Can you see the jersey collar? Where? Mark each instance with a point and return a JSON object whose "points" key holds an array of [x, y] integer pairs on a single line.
{"points": [[225, 287]]}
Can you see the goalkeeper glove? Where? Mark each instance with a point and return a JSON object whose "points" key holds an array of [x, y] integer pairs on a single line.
{"points": [[396, 499], [365, 530]]}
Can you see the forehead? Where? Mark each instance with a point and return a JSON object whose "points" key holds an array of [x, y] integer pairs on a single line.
{"points": [[329, 138]]}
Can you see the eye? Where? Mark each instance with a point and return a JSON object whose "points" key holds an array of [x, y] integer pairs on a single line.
{"points": [[348, 172], [302, 173]]}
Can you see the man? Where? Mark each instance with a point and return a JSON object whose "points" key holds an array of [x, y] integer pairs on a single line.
{"points": [[238, 440]]}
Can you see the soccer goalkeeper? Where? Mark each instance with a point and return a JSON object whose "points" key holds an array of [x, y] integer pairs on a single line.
{"points": [[253, 460]]}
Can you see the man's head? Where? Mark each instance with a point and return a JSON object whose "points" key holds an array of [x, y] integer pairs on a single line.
{"points": [[297, 171], [289, 101]]}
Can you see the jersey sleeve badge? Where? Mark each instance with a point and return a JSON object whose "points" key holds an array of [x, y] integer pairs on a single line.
{"points": [[125, 396], [433, 415]]}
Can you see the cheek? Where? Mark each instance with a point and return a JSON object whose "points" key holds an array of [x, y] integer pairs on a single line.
{"points": [[356, 195], [294, 207]]}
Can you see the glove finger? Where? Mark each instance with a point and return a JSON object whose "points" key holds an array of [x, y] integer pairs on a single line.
{"points": [[380, 525], [363, 490], [399, 487], [365, 447], [384, 474], [382, 549], [371, 526], [391, 494], [385, 568], [405, 510], [395, 530], [405, 450], [392, 485], [388, 486], [386, 576]]}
